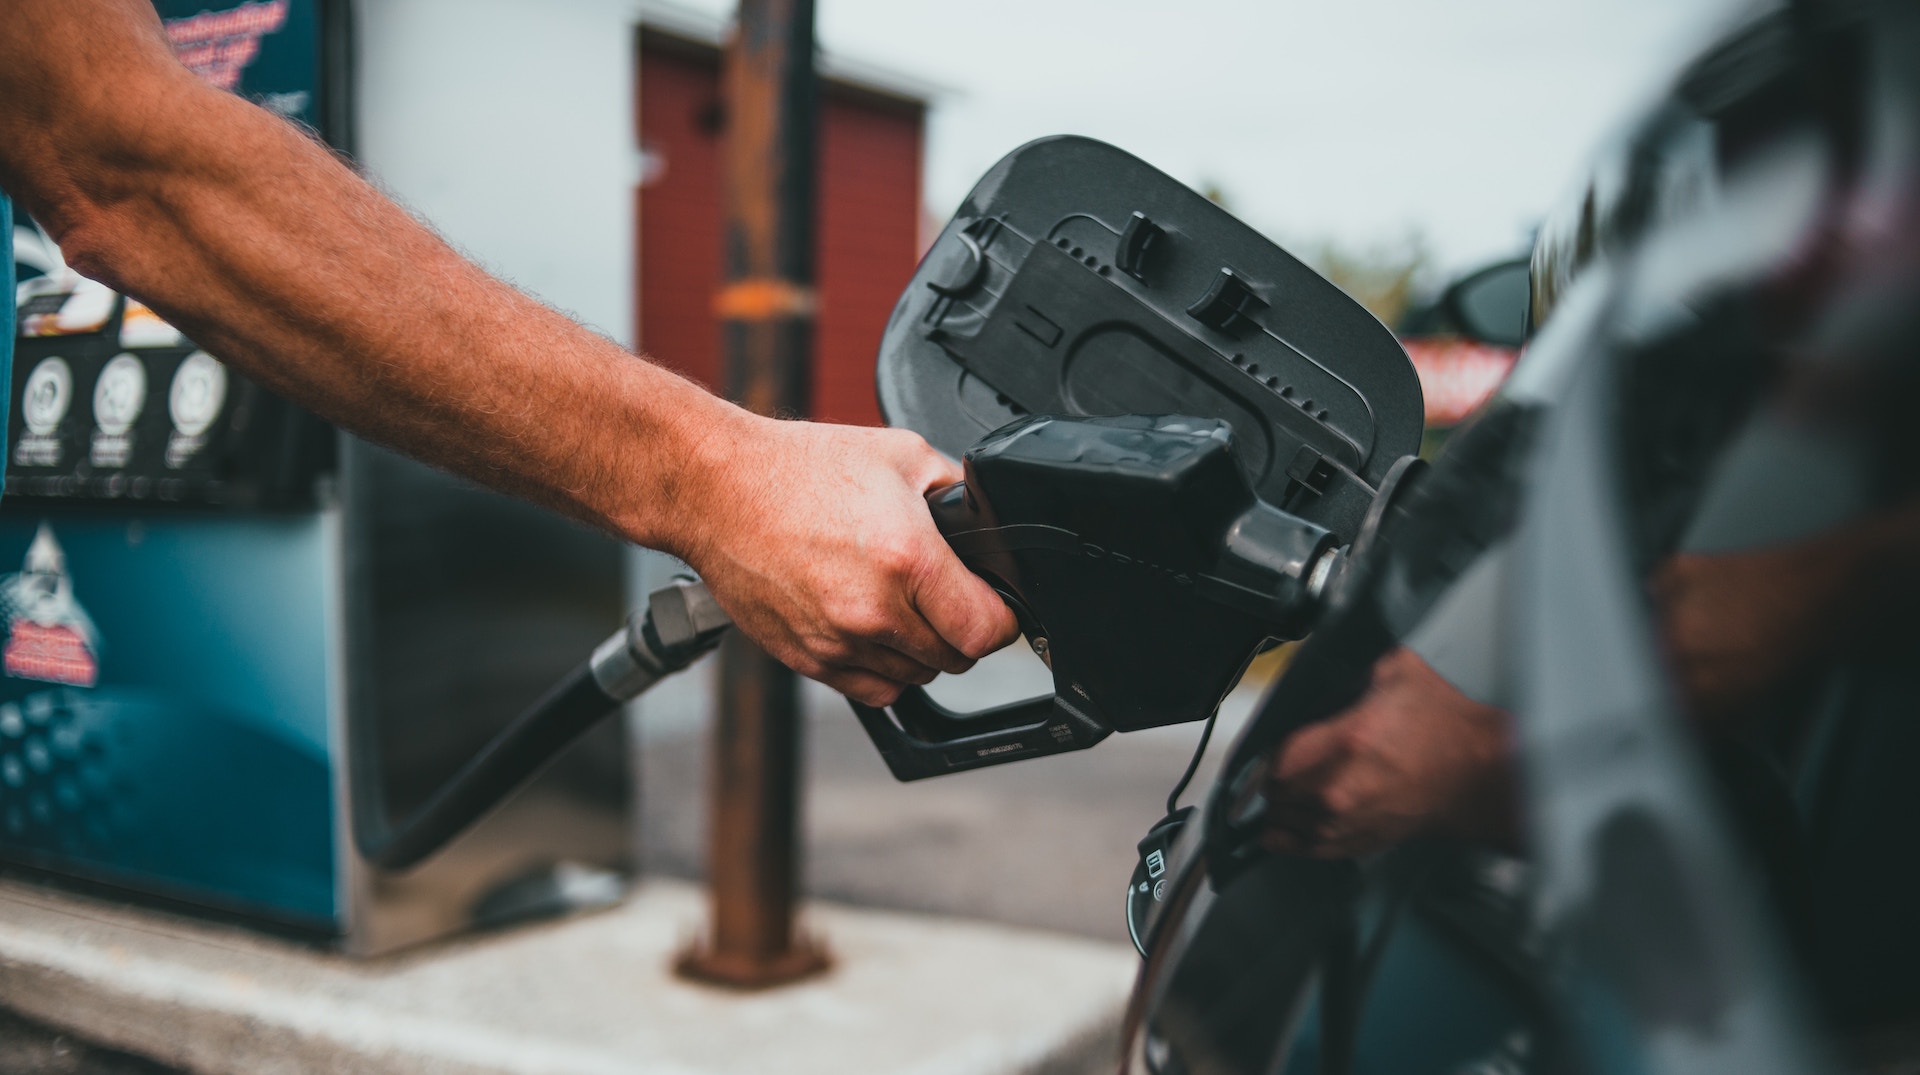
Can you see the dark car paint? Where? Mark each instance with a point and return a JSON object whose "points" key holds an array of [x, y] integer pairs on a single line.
{"points": [[1746, 250]]}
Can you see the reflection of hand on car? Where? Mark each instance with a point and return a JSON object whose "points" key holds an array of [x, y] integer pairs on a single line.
{"points": [[1415, 757], [1739, 625], [1412, 757]]}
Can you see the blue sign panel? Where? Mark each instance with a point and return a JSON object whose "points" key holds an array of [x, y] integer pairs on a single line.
{"points": [[166, 676], [164, 705]]}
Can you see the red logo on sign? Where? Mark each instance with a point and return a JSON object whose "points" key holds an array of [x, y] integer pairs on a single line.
{"points": [[50, 654], [218, 45]]}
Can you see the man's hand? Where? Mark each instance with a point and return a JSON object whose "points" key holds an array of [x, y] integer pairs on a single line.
{"points": [[818, 541], [1413, 756]]}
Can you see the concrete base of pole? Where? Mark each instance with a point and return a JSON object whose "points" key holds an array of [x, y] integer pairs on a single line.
{"points": [[702, 963], [593, 995]]}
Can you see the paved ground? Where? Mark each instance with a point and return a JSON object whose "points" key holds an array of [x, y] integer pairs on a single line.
{"points": [[28, 1048], [591, 995]]}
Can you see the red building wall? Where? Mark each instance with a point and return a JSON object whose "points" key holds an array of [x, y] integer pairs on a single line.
{"points": [[867, 236]]}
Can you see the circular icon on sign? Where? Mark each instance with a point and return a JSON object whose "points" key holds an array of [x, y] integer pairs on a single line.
{"points": [[48, 394], [199, 389], [119, 394]]}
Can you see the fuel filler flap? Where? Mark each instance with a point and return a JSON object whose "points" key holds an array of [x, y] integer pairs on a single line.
{"points": [[1076, 279]]}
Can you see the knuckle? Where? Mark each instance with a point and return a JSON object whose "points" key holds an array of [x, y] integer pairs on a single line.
{"points": [[810, 667], [832, 651], [875, 694], [905, 441], [868, 622], [899, 555]]}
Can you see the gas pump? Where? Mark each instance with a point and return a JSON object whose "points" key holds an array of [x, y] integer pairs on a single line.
{"points": [[233, 637]]}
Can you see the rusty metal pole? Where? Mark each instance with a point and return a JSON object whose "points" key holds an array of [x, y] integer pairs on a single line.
{"points": [[766, 315]]}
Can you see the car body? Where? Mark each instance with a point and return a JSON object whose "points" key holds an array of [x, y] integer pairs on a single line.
{"points": [[1465, 341], [1680, 546]]}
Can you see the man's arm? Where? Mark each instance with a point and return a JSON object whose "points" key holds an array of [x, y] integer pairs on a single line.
{"points": [[271, 254]]}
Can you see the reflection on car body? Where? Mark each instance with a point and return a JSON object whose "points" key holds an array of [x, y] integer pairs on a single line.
{"points": [[1679, 547]]}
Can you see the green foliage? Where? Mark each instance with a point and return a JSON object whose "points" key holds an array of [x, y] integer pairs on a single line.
{"points": [[1384, 277]]}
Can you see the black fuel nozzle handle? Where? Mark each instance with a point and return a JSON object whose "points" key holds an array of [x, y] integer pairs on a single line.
{"points": [[918, 737], [1270, 570], [680, 623]]}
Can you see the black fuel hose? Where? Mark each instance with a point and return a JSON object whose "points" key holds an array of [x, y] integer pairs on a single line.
{"points": [[681, 623], [541, 731]]}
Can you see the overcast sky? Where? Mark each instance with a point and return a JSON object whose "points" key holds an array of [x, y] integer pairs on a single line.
{"points": [[1360, 121]]}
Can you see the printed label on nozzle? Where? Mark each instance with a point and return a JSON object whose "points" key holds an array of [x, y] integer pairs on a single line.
{"points": [[50, 638]]}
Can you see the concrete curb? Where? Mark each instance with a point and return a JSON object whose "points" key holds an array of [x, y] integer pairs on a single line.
{"points": [[910, 994]]}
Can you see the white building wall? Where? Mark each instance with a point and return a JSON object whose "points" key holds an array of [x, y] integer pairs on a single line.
{"points": [[508, 126]]}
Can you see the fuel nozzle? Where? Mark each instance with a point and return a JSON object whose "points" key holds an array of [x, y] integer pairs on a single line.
{"points": [[681, 623], [1143, 568]]}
